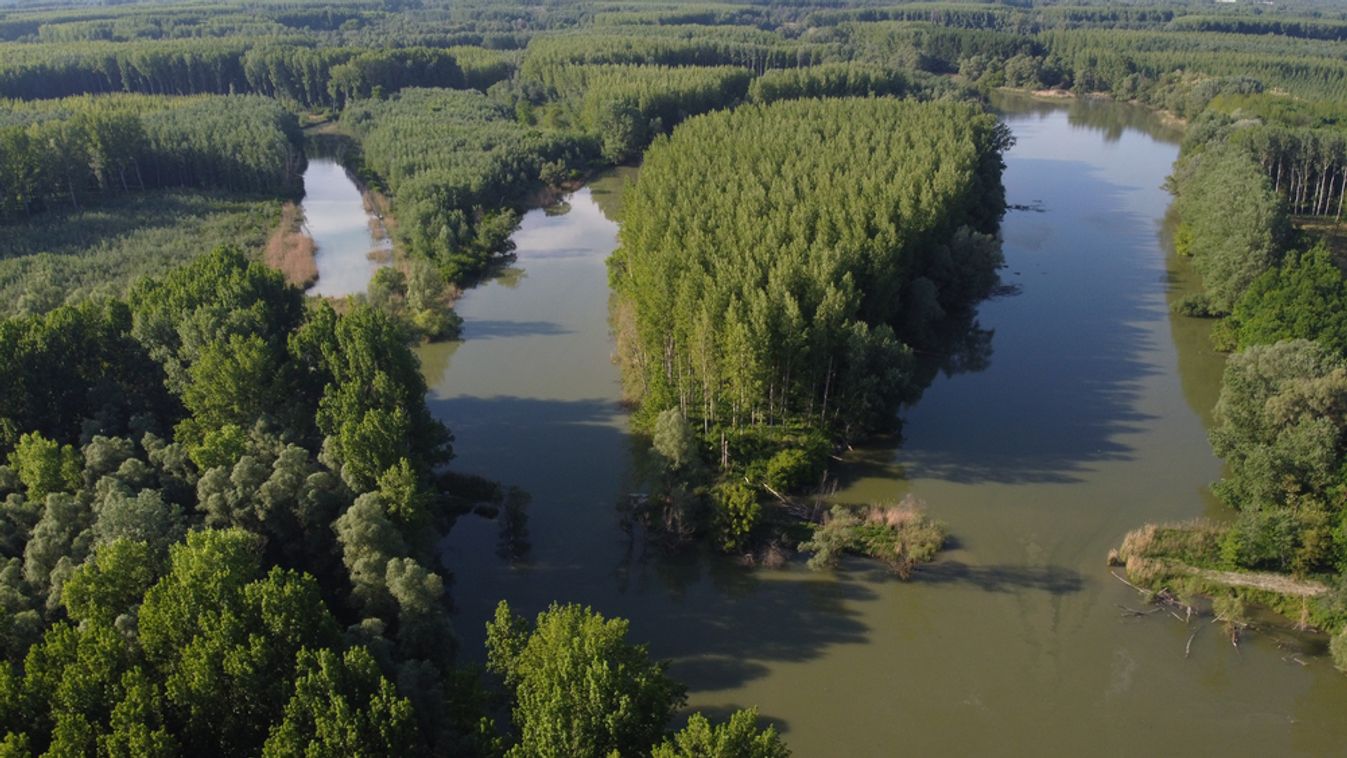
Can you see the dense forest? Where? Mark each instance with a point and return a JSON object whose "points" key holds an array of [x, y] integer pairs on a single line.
{"points": [[221, 500], [219, 512], [851, 222]]}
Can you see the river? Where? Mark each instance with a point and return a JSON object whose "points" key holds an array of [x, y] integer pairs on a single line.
{"points": [[348, 250], [1083, 421]]}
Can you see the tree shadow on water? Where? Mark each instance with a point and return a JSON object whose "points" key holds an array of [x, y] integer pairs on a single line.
{"points": [[1075, 349], [484, 329], [724, 624], [1055, 580]]}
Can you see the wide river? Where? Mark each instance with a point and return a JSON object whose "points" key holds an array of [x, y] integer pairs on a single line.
{"points": [[1081, 419]]}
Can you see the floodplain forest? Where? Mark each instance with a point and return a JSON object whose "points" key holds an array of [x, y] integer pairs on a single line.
{"points": [[221, 498]]}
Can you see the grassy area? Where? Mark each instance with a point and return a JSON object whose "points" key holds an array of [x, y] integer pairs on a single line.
{"points": [[100, 249]]}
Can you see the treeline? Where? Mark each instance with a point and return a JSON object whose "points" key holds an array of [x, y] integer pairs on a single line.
{"points": [[458, 164], [204, 20], [1025, 19], [82, 148], [772, 256], [1306, 28], [671, 46], [838, 80], [626, 106], [314, 77], [295, 447]]}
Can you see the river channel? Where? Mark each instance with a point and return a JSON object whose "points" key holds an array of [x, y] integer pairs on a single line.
{"points": [[348, 251], [1081, 419]]}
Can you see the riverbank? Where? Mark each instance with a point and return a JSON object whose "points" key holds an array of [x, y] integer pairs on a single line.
{"points": [[290, 250]]}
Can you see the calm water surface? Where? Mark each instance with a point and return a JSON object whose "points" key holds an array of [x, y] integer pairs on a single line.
{"points": [[336, 219], [1085, 421]]}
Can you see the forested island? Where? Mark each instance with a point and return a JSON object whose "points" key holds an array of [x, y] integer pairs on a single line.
{"points": [[223, 500]]}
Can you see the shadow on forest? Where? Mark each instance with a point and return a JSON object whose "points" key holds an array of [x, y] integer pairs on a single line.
{"points": [[66, 231]]}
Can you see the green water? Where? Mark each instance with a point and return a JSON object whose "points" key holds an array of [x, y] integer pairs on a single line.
{"points": [[1085, 420]]}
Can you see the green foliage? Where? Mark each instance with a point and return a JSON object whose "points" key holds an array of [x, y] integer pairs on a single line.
{"points": [[736, 514], [1279, 424], [372, 410], [1233, 220], [343, 706], [112, 583], [1260, 539], [626, 106], [737, 738], [674, 442], [670, 46], [112, 145], [314, 77], [793, 469], [1304, 298], [773, 245], [204, 652], [419, 300], [579, 688], [832, 80], [67, 256], [74, 364], [45, 466], [1338, 648]]}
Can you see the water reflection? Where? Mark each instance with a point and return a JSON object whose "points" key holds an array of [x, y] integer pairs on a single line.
{"points": [[349, 250]]}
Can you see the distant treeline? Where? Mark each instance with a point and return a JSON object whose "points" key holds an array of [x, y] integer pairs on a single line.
{"points": [[66, 152], [314, 77]]}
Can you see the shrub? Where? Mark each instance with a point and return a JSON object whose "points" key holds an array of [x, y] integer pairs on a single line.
{"points": [[736, 513], [793, 469]]}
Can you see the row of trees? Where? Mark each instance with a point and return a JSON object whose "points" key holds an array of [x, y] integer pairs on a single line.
{"points": [[837, 80], [772, 255], [113, 145], [314, 77], [670, 46], [626, 106], [1307, 166]]}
